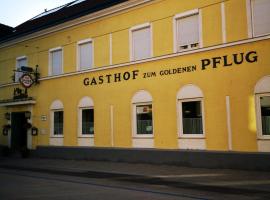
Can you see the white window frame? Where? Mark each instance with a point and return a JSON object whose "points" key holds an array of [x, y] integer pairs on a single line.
{"points": [[259, 115], [175, 34], [250, 15], [50, 60], [17, 65], [57, 105], [131, 45], [134, 111], [141, 97], [52, 124], [80, 134], [180, 121], [85, 103], [81, 42]]}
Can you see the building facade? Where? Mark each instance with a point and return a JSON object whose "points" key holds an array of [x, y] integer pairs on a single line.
{"points": [[163, 74]]}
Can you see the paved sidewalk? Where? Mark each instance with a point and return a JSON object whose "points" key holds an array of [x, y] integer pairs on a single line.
{"points": [[220, 180]]}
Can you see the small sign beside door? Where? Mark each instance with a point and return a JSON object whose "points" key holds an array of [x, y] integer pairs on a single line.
{"points": [[43, 118]]}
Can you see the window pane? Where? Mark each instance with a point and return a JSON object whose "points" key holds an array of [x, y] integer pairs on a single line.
{"points": [[56, 57], [261, 17], [192, 117], [58, 123], [188, 30], [20, 63], [265, 114], [85, 55], [141, 41], [88, 121], [144, 119]]}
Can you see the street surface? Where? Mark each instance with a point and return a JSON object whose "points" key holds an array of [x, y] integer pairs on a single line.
{"points": [[33, 178]]}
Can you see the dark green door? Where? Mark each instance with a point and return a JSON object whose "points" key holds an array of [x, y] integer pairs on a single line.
{"points": [[18, 131]]}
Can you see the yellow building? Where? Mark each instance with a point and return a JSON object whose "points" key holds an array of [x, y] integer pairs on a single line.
{"points": [[162, 74]]}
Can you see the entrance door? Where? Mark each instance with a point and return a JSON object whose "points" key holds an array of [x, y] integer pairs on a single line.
{"points": [[18, 131]]}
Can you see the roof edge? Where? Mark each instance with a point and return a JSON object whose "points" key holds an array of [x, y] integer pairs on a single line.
{"points": [[73, 22]]}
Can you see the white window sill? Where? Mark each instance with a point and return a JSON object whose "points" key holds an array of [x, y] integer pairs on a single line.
{"points": [[86, 136], [192, 136], [57, 136], [150, 136], [266, 137]]}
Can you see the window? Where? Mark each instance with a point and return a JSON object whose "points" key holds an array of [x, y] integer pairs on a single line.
{"points": [[86, 117], [262, 94], [142, 115], [58, 119], [141, 44], [87, 122], [56, 61], [265, 114], [85, 54], [187, 34], [261, 17], [191, 112], [144, 119], [192, 117], [21, 61]]}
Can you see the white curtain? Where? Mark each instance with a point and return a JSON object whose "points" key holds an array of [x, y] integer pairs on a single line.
{"points": [[21, 62], [56, 59], [141, 40], [261, 17], [188, 30], [85, 55]]}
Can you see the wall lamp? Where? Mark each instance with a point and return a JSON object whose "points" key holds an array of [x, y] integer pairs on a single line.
{"points": [[27, 115], [7, 116]]}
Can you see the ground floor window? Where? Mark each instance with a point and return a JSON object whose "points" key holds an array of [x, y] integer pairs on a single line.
{"points": [[192, 117], [58, 121], [87, 121], [265, 114], [144, 123]]}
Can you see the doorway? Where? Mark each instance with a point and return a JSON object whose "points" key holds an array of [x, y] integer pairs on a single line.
{"points": [[18, 131]]}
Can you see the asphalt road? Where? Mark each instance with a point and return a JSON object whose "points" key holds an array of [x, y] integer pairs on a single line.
{"points": [[61, 179]]}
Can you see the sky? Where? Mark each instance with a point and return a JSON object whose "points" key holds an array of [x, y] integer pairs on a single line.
{"points": [[15, 12]]}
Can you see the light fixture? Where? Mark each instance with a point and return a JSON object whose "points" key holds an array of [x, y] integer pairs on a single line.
{"points": [[7, 116], [27, 114]]}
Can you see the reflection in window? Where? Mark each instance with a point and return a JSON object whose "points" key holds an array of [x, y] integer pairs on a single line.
{"points": [[144, 119], [58, 123], [88, 121], [265, 114], [192, 117]]}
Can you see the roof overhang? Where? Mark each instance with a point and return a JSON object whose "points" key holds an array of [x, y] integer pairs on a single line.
{"points": [[17, 102]]}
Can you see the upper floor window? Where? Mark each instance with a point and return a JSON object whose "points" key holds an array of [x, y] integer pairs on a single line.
{"points": [[20, 61], [85, 54], [187, 30], [56, 61], [261, 17], [141, 42]]}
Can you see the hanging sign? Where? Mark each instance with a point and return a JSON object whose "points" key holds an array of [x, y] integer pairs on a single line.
{"points": [[26, 80]]}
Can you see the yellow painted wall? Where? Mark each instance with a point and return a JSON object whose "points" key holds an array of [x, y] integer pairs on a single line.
{"points": [[120, 47], [102, 51], [162, 37], [212, 29], [115, 98], [236, 20]]}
